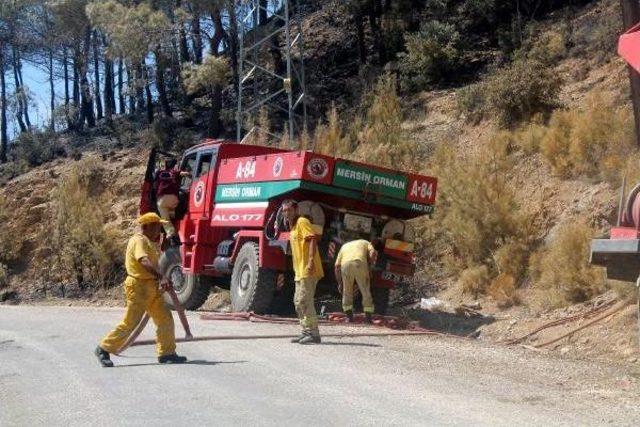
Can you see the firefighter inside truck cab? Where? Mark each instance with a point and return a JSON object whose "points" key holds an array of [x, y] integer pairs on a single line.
{"points": [[167, 184]]}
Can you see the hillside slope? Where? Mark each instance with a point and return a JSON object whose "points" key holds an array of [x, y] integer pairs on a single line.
{"points": [[432, 120]]}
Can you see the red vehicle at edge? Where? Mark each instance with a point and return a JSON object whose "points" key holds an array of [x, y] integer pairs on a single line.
{"points": [[231, 228]]}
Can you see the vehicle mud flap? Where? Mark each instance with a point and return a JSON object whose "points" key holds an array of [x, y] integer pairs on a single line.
{"points": [[282, 303], [380, 300]]}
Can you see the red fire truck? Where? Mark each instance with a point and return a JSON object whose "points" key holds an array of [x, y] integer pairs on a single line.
{"points": [[232, 232]]}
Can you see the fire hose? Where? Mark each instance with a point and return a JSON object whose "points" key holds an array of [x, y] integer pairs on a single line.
{"points": [[333, 319], [145, 319], [554, 323]]}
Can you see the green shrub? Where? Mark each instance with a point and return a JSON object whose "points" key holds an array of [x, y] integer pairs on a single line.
{"points": [[432, 55], [522, 90], [4, 276], [472, 101], [35, 148], [597, 35]]}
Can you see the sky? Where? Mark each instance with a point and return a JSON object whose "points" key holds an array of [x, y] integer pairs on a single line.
{"points": [[39, 110]]}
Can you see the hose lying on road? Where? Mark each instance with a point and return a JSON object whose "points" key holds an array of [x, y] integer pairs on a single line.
{"points": [[283, 336], [333, 319], [399, 326]]}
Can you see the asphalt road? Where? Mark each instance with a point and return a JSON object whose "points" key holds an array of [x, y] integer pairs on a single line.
{"points": [[49, 376]]}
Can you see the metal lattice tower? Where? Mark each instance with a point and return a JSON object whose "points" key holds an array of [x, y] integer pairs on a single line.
{"points": [[280, 90]]}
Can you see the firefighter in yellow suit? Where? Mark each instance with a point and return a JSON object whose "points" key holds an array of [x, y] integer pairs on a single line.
{"points": [[308, 271], [143, 289], [352, 265]]}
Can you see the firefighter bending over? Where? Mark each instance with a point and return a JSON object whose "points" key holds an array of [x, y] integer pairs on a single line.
{"points": [[167, 191], [352, 265], [143, 289], [308, 271]]}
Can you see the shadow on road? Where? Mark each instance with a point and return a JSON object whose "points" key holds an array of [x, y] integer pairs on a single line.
{"points": [[452, 323], [190, 362]]}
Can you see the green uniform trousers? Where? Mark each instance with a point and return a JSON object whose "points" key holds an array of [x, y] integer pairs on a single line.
{"points": [[305, 307]]}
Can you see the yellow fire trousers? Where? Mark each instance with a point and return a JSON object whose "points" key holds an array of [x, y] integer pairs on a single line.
{"points": [[167, 205], [143, 296], [356, 271], [305, 307]]}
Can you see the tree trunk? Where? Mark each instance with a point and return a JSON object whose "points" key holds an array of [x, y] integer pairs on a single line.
{"points": [[262, 14], [161, 67], [147, 90], [65, 61], [362, 49], [233, 43], [25, 100], [96, 78], [52, 89], [378, 43], [130, 87], [109, 102], [218, 32], [197, 37], [76, 78], [139, 85], [4, 137], [121, 102], [182, 39], [18, 92], [86, 110], [215, 123]]}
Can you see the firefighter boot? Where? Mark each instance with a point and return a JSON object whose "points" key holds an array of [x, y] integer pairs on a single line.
{"points": [[297, 339], [349, 318], [172, 358], [368, 318], [103, 357], [310, 339]]}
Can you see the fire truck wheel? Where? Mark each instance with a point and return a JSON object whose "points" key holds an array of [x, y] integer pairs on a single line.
{"points": [[192, 290], [252, 287], [380, 300]]}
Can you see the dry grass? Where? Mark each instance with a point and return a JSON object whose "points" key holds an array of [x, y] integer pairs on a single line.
{"points": [[85, 251], [474, 280], [383, 141], [561, 270], [504, 290], [489, 236], [594, 142], [477, 206], [330, 139], [9, 245]]}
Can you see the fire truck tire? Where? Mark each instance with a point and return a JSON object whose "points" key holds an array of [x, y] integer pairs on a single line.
{"points": [[192, 290], [252, 287], [380, 299]]}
